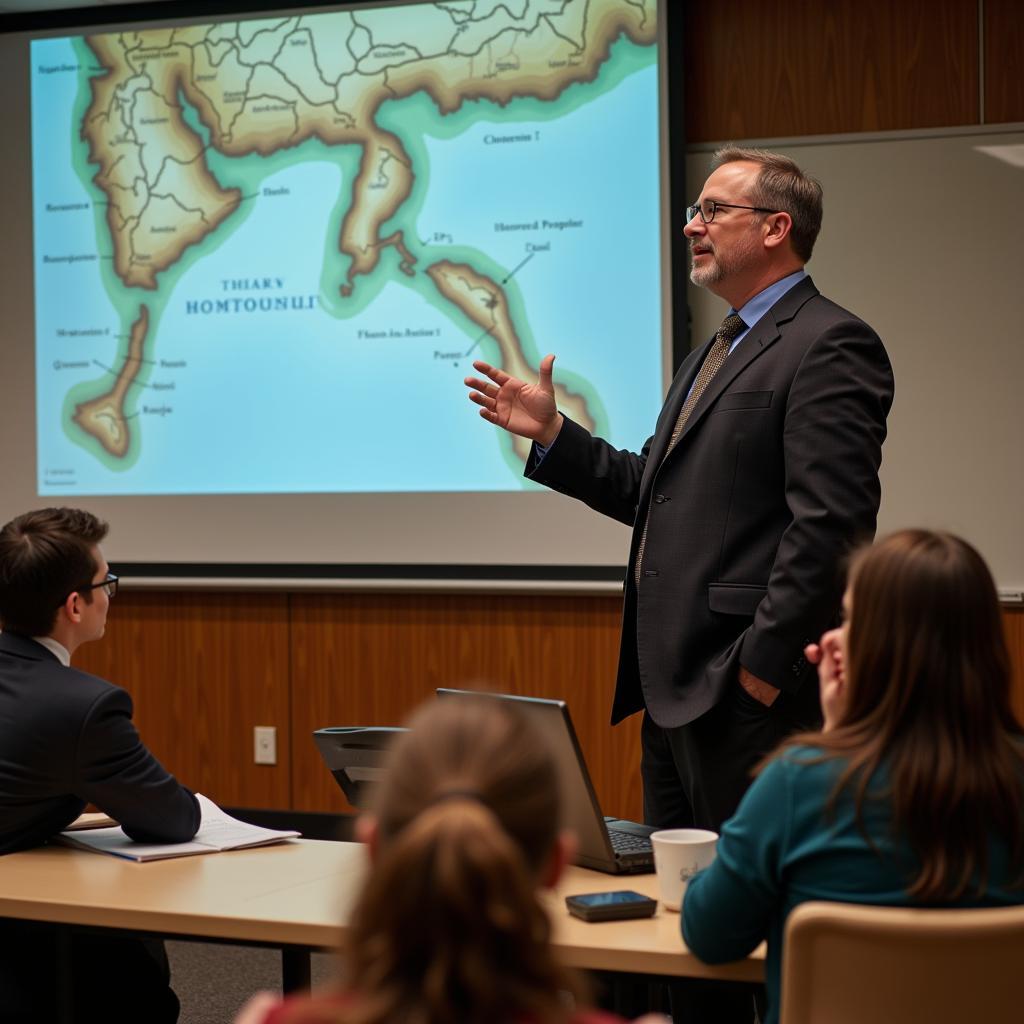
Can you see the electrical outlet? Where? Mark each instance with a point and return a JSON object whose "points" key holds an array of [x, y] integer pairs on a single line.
{"points": [[265, 744]]}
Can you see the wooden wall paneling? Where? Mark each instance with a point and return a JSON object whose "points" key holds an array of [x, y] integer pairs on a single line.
{"points": [[764, 68], [370, 659], [203, 670], [1004, 60]]}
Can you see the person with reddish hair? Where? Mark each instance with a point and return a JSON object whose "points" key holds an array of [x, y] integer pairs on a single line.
{"points": [[449, 928]]}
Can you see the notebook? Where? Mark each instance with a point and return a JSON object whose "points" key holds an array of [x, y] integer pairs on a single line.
{"points": [[605, 844]]}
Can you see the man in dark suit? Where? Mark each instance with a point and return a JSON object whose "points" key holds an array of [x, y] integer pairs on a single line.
{"points": [[761, 475], [66, 740]]}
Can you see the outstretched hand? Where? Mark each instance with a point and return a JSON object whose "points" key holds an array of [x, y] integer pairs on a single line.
{"points": [[528, 410]]}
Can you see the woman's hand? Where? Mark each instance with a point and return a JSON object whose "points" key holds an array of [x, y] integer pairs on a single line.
{"points": [[830, 657]]}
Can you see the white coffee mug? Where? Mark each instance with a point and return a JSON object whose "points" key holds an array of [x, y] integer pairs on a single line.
{"points": [[679, 853]]}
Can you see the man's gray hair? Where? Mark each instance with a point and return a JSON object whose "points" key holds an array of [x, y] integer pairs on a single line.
{"points": [[781, 185]]}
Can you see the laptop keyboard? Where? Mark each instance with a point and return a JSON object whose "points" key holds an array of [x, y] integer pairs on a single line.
{"points": [[629, 842]]}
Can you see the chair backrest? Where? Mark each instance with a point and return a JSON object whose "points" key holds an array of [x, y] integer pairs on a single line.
{"points": [[854, 964]]}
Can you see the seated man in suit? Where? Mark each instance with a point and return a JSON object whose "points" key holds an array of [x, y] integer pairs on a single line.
{"points": [[66, 740]]}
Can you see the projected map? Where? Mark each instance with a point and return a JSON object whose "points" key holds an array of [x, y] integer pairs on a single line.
{"points": [[267, 251]]}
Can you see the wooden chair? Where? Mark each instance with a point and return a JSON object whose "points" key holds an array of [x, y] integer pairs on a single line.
{"points": [[855, 964]]}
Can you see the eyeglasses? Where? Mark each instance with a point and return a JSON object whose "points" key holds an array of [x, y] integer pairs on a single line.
{"points": [[708, 207], [109, 585]]}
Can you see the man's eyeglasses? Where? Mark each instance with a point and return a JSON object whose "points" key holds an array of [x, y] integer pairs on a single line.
{"points": [[109, 585], [708, 207]]}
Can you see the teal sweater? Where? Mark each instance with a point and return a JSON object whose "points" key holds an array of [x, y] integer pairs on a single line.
{"points": [[780, 849]]}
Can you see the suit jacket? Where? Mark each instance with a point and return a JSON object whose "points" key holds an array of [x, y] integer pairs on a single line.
{"points": [[67, 739], [773, 480]]}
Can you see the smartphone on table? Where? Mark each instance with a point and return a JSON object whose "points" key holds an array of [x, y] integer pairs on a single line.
{"points": [[610, 906]]}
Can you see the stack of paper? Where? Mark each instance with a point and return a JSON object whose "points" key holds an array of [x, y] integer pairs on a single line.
{"points": [[217, 831]]}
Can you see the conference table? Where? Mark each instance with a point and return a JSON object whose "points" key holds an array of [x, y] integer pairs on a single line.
{"points": [[297, 895]]}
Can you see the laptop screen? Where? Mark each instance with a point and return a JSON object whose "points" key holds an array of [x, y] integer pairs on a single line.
{"points": [[580, 809]]}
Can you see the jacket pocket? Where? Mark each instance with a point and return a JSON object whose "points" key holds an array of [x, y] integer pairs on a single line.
{"points": [[735, 598], [744, 400]]}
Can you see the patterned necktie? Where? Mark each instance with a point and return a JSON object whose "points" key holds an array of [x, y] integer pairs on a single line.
{"points": [[732, 326]]}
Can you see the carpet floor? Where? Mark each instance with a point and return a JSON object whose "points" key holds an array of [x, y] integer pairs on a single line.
{"points": [[213, 980]]}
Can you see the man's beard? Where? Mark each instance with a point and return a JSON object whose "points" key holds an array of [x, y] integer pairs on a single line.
{"points": [[738, 257], [710, 273]]}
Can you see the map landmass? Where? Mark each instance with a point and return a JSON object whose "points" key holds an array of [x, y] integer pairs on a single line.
{"points": [[267, 85], [485, 303], [103, 417]]}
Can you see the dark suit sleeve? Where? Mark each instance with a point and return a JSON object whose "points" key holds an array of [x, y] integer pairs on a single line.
{"points": [[116, 772], [832, 440], [590, 469]]}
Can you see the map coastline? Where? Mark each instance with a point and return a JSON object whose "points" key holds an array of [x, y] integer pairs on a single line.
{"points": [[374, 236]]}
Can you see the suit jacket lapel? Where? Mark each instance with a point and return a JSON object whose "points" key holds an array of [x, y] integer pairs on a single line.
{"points": [[763, 334], [677, 393], [759, 338]]}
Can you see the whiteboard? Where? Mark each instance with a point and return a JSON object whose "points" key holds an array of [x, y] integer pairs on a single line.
{"points": [[923, 237]]}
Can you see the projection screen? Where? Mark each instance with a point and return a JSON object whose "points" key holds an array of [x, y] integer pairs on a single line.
{"points": [[251, 258]]}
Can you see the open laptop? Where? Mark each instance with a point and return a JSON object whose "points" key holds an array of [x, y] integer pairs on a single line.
{"points": [[605, 844]]}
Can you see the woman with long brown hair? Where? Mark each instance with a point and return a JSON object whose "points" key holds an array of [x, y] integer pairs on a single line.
{"points": [[449, 928], [913, 793]]}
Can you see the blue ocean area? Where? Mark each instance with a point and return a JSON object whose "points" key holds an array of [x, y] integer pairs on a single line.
{"points": [[594, 297]]}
